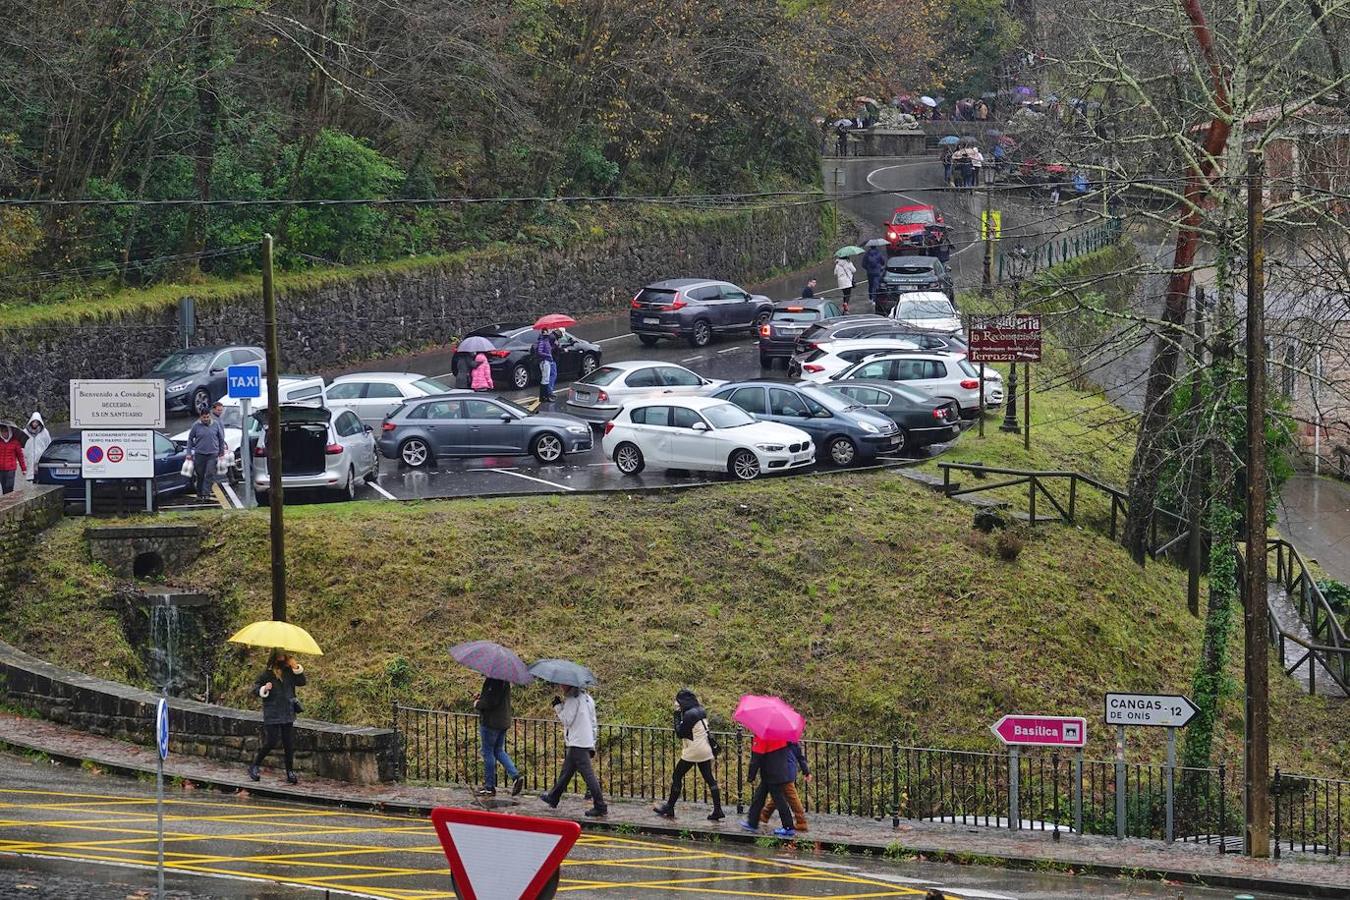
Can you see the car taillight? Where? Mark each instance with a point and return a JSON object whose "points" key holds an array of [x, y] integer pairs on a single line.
{"points": [[388, 426], [259, 451], [601, 396], [812, 345], [812, 368], [634, 304], [499, 354], [970, 384], [609, 426], [764, 330], [333, 449], [677, 304], [940, 413]]}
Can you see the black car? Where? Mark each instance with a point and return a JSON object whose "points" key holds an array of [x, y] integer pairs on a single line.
{"points": [[922, 419], [910, 275], [195, 378], [512, 358], [60, 466], [887, 329], [695, 309], [815, 330], [845, 432], [778, 336]]}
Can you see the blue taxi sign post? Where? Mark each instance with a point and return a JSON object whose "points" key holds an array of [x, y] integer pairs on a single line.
{"points": [[244, 383]]}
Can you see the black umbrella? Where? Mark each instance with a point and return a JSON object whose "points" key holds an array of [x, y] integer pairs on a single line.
{"points": [[561, 671], [20, 433]]}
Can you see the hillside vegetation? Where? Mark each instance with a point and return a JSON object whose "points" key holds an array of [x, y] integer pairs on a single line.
{"points": [[864, 598]]}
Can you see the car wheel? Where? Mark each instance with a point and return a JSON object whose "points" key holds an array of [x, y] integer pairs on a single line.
{"points": [[414, 453], [762, 319], [589, 364], [701, 336], [842, 451], [373, 477], [547, 448], [901, 440], [350, 489], [628, 458], [201, 399], [520, 376], [648, 340], [743, 465]]}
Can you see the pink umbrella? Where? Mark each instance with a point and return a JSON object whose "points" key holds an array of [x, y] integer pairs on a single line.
{"points": [[554, 320], [769, 718]]}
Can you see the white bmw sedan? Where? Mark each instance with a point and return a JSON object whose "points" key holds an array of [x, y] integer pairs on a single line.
{"points": [[702, 434]]}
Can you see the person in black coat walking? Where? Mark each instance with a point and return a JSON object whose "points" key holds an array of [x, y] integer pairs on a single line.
{"points": [[697, 749], [874, 264], [276, 686], [775, 764], [494, 721]]}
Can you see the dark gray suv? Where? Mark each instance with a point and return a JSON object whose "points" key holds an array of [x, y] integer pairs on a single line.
{"points": [[912, 274], [695, 309]]}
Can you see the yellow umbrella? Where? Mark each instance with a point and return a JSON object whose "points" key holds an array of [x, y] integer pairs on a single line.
{"points": [[281, 635]]}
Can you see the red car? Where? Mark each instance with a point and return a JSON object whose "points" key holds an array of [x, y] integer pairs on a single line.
{"points": [[918, 229]]}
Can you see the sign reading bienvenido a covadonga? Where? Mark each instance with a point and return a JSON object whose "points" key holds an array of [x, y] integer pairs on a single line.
{"points": [[117, 404]]}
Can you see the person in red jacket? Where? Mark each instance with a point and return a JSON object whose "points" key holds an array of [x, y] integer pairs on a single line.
{"points": [[11, 458]]}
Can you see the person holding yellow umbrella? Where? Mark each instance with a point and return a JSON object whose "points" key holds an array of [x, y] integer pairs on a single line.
{"points": [[276, 686]]}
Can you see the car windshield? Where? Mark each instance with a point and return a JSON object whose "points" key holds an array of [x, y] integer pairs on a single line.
{"points": [[924, 309], [727, 415], [432, 386], [660, 296], [795, 314], [231, 417], [62, 452], [185, 361], [913, 217], [602, 376], [831, 401]]}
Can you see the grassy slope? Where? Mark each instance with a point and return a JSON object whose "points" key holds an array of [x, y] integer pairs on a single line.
{"points": [[864, 598]]}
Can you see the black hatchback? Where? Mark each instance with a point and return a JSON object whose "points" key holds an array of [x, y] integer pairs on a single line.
{"points": [[512, 359], [790, 318], [922, 419]]}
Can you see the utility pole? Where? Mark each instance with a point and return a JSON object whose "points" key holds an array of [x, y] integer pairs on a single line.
{"points": [[274, 435], [1256, 749]]}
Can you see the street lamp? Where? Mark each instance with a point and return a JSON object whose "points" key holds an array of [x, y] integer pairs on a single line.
{"points": [[1018, 261]]}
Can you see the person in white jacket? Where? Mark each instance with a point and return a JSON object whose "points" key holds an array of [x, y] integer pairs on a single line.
{"points": [[843, 275], [576, 710], [39, 439]]}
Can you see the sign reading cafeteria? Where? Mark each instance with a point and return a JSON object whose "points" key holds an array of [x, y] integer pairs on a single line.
{"points": [[117, 404], [1008, 338], [117, 454]]}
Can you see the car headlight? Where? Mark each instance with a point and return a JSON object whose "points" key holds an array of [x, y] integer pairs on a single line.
{"points": [[771, 448], [178, 387], [578, 429], [869, 428]]}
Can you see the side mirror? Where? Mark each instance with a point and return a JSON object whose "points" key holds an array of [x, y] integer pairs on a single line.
{"points": [[506, 417], [700, 426], [369, 430], [217, 371]]}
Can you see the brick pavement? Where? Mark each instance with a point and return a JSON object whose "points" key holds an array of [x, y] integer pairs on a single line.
{"points": [[1297, 875]]}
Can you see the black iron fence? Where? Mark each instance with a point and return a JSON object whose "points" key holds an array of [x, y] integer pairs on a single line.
{"points": [[1030, 790], [1310, 814], [1326, 648]]}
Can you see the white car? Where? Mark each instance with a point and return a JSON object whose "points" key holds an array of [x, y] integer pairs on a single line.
{"points": [[942, 376], [300, 389], [598, 397], [927, 309], [831, 357], [320, 448], [702, 434], [374, 395]]}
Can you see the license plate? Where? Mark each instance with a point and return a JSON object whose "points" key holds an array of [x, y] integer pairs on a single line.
{"points": [[788, 330], [65, 472], [581, 395], [801, 457], [651, 320]]}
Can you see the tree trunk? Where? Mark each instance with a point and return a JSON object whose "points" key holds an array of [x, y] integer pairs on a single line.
{"points": [[204, 138]]}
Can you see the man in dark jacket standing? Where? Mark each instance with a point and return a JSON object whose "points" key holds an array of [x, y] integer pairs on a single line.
{"points": [[874, 263], [494, 720], [774, 763], [205, 445]]}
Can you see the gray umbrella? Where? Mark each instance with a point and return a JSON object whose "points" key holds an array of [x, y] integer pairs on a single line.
{"points": [[561, 671], [878, 242], [475, 344]]}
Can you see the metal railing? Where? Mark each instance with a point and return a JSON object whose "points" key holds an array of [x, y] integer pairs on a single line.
{"points": [[1060, 250], [1310, 814], [1325, 645], [1167, 530], [1046, 791]]}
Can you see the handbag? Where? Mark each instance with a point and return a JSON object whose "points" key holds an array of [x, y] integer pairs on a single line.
{"points": [[715, 745], [296, 707]]}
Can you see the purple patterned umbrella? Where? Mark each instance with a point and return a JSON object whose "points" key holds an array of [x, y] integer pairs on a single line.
{"points": [[492, 660]]}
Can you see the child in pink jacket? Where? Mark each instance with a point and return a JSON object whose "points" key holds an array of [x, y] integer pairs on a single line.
{"points": [[482, 374]]}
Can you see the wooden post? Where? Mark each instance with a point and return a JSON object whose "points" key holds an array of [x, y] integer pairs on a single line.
{"points": [[1026, 405], [273, 349]]}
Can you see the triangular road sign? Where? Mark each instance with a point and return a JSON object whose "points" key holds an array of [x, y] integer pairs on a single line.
{"points": [[495, 856]]}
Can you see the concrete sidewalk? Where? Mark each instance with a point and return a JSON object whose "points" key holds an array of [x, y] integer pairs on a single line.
{"points": [[1201, 864]]}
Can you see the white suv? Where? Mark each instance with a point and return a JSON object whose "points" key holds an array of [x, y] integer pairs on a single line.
{"points": [[943, 376], [702, 434], [829, 357]]}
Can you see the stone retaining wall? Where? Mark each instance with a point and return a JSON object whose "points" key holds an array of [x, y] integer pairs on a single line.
{"points": [[346, 316], [360, 755], [23, 516]]}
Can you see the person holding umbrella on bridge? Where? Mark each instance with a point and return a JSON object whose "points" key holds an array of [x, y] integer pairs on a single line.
{"points": [[576, 711], [501, 668]]}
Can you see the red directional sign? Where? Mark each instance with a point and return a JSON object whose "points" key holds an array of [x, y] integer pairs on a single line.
{"points": [[1041, 731], [495, 856], [1010, 338]]}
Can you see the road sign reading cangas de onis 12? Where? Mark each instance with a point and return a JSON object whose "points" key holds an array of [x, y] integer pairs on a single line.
{"points": [[1041, 731]]}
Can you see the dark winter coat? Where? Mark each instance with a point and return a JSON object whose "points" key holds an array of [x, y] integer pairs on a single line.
{"points": [[494, 704], [279, 704], [777, 766], [874, 262]]}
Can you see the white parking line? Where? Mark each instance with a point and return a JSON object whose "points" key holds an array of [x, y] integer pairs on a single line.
{"points": [[732, 350], [380, 490], [693, 358], [551, 484], [617, 337]]}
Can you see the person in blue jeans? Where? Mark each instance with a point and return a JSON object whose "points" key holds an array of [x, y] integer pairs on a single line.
{"points": [[548, 368], [494, 720]]}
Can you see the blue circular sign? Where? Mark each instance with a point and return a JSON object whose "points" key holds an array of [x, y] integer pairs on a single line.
{"points": [[94, 454], [162, 728]]}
